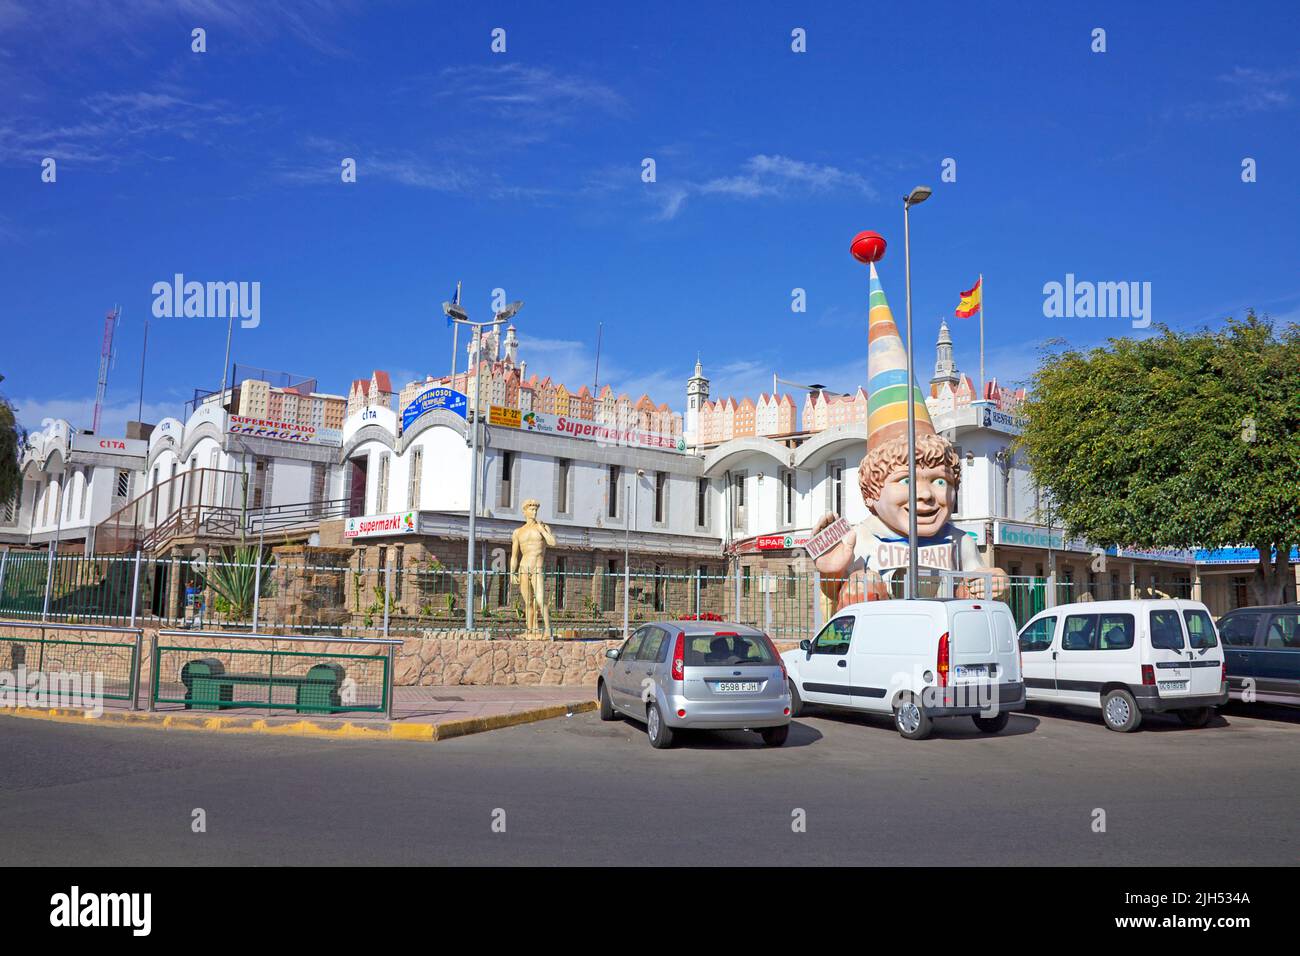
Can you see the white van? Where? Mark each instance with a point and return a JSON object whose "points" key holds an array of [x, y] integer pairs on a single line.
{"points": [[1127, 658], [915, 659]]}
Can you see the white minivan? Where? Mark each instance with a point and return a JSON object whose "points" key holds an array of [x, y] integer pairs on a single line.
{"points": [[916, 660], [1127, 658]]}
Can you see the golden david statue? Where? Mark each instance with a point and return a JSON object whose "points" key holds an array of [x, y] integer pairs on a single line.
{"points": [[528, 562]]}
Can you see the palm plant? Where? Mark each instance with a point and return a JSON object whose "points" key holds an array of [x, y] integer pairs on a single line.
{"points": [[234, 580]]}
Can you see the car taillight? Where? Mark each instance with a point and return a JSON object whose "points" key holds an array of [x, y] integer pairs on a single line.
{"points": [[943, 666], [1223, 673], [1148, 675], [679, 657]]}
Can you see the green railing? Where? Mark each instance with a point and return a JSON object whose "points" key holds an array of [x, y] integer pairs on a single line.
{"points": [[118, 663], [311, 682]]}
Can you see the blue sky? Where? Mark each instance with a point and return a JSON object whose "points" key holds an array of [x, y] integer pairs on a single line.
{"points": [[522, 171]]}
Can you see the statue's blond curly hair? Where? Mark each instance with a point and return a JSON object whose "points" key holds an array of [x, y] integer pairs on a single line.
{"points": [[932, 451]]}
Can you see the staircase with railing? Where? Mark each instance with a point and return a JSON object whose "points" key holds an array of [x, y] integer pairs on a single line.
{"points": [[202, 503]]}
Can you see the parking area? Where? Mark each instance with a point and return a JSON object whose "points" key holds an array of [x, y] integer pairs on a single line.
{"points": [[844, 789]]}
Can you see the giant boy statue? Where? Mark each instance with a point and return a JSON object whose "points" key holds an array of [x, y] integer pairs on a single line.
{"points": [[528, 561], [858, 567]]}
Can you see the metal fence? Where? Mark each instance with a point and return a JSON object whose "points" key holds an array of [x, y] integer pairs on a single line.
{"points": [[68, 659], [308, 682], [349, 598]]}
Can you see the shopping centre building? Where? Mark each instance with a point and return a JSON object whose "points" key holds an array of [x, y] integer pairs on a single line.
{"points": [[729, 490]]}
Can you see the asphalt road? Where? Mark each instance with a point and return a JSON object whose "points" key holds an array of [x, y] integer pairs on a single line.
{"points": [[578, 791]]}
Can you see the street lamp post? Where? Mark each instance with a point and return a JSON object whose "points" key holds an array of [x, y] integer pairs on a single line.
{"points": [[918, 195], [458, 316], [627, 534]]}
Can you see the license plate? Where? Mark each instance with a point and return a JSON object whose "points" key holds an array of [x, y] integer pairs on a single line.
{"points": [[735, 686], [972, 670], [1173, 685]]}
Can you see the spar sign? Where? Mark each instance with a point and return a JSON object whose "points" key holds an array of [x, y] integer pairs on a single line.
{"points": [[598, 432]]}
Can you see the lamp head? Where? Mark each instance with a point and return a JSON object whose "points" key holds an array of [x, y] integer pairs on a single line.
{"points": [[918, 195]]}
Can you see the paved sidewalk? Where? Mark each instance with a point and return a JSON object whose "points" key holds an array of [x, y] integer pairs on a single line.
{"points": [[419, 713]]}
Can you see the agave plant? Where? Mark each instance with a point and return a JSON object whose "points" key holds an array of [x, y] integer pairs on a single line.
{"points": [[234, 579]]}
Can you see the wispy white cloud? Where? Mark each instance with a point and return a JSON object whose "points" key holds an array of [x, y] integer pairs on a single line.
{"points": [[80, 412], [531, 96], [1246, 90], [765, 177], [115, 127]]}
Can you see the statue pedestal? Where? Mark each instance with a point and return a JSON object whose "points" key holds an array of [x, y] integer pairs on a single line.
{"points": [[533, 636]]}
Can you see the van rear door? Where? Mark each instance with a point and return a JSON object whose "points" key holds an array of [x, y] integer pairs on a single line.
{"points": [[1204, 652], [1170, 658], [975, 665]]}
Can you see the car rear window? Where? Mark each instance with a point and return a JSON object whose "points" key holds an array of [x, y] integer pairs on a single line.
{"points": [[1166, 632], [1283, 632], [1200, 629], [1239, 629], [727, 650]]}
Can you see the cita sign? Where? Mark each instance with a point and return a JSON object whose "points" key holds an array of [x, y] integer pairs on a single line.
{"points": [[372, 526], [295, 432], [598, 432], [440, 396], [119, 446]]}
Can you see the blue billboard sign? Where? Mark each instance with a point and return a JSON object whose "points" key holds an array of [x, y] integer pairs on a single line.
{"points": [[439, 396]]}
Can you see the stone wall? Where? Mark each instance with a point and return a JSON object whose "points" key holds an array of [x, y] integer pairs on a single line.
{"points": [[435, 658]]}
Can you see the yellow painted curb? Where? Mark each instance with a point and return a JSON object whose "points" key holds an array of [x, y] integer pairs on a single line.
{"points": [[302, 728]]}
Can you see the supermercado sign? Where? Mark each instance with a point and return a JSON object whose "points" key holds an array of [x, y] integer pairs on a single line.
{"points": [[369, 526], [284, 431], [597, 432]]}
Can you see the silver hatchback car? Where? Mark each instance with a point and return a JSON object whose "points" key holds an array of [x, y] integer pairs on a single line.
{"points": [[711, 675]]}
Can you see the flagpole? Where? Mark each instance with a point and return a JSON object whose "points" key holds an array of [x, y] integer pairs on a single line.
{"points": [[981, 336]]}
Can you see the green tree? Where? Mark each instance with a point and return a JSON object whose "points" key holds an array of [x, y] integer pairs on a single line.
{"points": [[1176, 440], [12, 438]]}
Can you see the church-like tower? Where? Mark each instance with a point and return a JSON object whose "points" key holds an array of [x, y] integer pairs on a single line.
{"points": [[697, 393], [945, 368]]}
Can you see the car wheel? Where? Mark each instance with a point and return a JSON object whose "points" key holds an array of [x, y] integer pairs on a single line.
{"points": [[911, 719], [607, 711], [1120, 711], [993, 725], [775, 736], [1196, 716], [660, 734], [796, 702]]}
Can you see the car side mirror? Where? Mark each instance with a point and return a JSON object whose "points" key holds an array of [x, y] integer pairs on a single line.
{"points": [[612, 653], [804, 645]]}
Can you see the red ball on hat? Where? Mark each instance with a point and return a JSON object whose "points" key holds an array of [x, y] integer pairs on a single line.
{"points": [[868, 246]]}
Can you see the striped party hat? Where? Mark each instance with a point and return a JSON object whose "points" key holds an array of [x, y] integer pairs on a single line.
{"points": [[887, 384]]}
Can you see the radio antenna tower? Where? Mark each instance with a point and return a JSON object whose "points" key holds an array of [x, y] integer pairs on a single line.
{"points": [[105, 359]]}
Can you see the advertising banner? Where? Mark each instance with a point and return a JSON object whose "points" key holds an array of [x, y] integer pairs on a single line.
{"points": [[440, 396], [505, 417], [598, 432], [296, 432], [370, 526]]}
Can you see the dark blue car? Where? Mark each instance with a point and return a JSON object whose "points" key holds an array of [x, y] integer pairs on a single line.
{"points": [[1263, 646]]}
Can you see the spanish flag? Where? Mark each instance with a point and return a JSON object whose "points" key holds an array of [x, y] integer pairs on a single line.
{"points": [[971, 300]]}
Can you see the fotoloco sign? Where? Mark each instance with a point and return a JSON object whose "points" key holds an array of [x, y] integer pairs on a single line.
{"points": [[597, 432]]}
